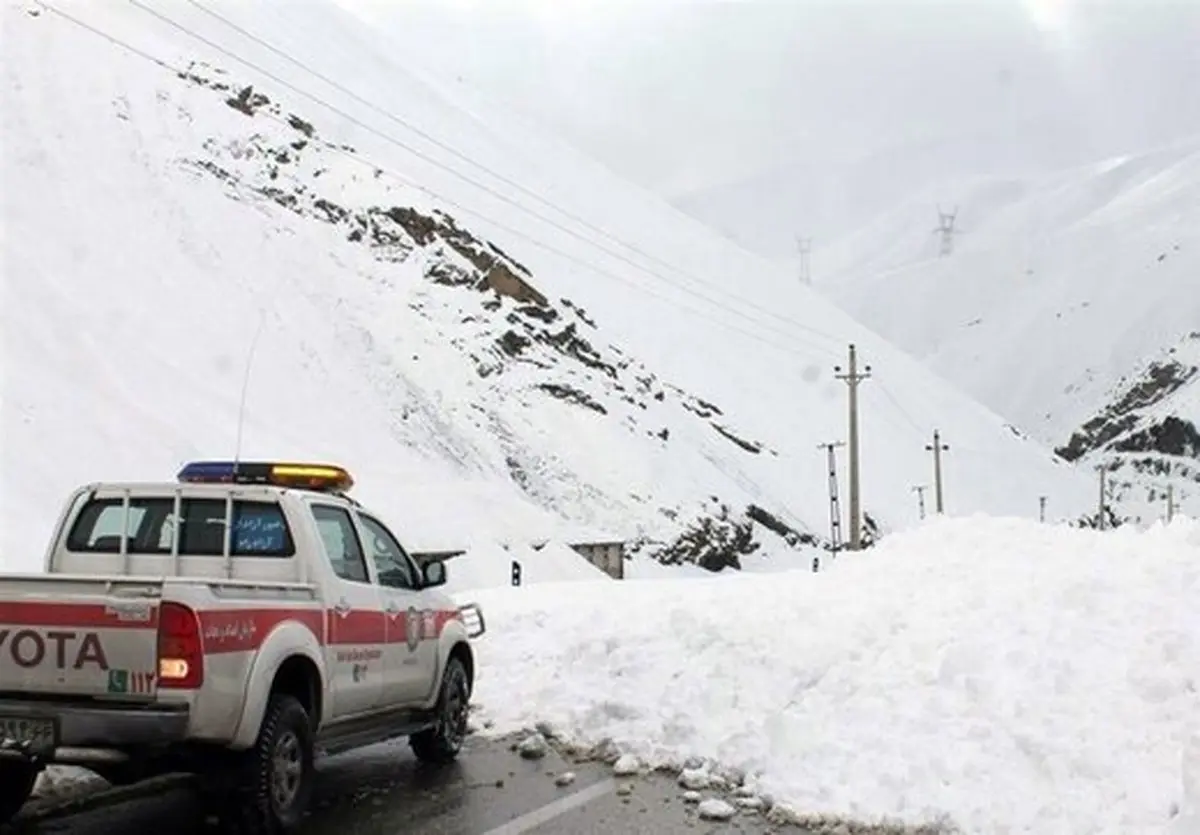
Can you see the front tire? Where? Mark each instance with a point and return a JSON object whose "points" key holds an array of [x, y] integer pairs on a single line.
{"points": [[441, 743], [17, 780], [275, 783]]}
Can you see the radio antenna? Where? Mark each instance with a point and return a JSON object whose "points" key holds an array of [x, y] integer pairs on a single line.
{"points": [[237, 451]]}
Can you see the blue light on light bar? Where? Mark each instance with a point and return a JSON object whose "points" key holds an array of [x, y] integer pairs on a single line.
{"points": [[324, 478], [211, 472]]}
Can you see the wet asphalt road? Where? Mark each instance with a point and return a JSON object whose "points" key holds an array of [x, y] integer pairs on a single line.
{"points": [[382, 790]]}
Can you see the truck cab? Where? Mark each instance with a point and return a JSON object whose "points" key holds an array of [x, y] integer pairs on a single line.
{"points": [[213, 624]]}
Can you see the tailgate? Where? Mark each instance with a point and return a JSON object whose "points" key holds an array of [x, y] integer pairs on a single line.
{"points": [[67, 635]]}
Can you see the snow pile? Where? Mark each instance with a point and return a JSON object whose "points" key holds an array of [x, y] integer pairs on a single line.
{"points": [[1013, 676]]}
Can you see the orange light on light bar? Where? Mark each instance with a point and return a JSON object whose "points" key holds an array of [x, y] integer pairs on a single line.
{"points": [[313, 476]]}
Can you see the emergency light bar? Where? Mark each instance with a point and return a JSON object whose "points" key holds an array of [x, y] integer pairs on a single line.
{"points": [[325, 478]]}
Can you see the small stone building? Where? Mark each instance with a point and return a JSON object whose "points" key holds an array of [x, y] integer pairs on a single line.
{"points": [[608, 556]]}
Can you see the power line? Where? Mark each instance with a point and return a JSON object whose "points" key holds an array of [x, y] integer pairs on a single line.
{"points": [[482, 186], [891, 398], [363, 161]]}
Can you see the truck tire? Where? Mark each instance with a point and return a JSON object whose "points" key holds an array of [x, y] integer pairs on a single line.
{"points": [[441, 743], [274, 782], [17, 780]]}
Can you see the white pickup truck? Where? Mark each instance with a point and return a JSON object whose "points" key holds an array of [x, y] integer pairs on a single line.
{"points": [[234, 624]]}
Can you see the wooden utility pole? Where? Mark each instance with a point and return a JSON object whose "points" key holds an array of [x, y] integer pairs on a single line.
{"points": [[1103, 495], [835, 512], [1041, 508], [919, 489], [937, 447], [853, 377]]}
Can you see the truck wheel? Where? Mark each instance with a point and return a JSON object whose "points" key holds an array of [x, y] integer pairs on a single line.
{"points": [[276, 778], [17, 780], [442, 742]]}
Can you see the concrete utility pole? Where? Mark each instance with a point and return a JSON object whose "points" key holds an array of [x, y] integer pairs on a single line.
{"points": [[805, 246], [1041, 508], [1103, 496], [835, 512], [937, 447], [853, 377], [919, 489]]}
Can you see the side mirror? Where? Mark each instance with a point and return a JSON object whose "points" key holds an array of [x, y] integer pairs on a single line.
{"points": [[433, 574]]}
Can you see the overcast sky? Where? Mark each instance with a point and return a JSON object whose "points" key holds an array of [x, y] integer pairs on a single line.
{"points": [[686, 94]]}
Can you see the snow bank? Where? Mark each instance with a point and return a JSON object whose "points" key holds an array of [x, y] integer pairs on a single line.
{"points": [[1013, 676], [489, 566]]}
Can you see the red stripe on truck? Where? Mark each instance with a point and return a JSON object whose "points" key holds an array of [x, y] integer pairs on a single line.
{"points": [[238, 630], [80, 615], [429, 624], [358, 626], [244, 630]]}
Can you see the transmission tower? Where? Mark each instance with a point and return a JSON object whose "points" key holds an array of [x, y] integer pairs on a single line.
{"points": [[920, 489], [805, 247], [946, 231], [835, 512]]}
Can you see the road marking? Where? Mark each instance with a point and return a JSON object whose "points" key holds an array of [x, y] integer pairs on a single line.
{"points": [[530, 820]]}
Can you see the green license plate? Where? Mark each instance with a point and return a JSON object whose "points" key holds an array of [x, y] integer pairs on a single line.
{"points": [[42, 734]]}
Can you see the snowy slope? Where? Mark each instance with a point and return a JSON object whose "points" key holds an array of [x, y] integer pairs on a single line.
{"points": [[486, 373], [996, 675], [1088, 273]]}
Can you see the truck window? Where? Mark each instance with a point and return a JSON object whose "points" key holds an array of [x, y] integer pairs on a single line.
{"points": [[340, 540], [392, 565], [259, 528]]}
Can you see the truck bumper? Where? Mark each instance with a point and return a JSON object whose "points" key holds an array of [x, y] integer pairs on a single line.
{"points": [[90, 734]]}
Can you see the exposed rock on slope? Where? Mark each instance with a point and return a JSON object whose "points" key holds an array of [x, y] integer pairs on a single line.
{"points": [[1147, 438]]}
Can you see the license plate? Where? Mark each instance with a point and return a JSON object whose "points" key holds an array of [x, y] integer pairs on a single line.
{"points": [[41, 734]]}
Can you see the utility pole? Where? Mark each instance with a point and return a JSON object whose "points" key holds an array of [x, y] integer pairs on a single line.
{"points": [[1103, 496], [805, 246], [835, 513], [1170, 502], [919, 489], [946, 231], [937, 447], [853, 377], [1041, 508]]}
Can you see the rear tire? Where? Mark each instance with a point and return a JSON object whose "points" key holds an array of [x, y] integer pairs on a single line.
{"points": [[272, 786], [441, 743], [17, 780]]}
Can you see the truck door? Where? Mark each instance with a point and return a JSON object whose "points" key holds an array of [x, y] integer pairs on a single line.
{"points": [[411, 658], [356, 627]]}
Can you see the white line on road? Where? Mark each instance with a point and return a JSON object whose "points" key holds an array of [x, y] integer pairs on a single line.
{"points": [[529, 820]]}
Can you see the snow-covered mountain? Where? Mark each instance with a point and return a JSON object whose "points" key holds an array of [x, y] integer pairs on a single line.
{"points": [[1060, 293], [210, 202]]}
